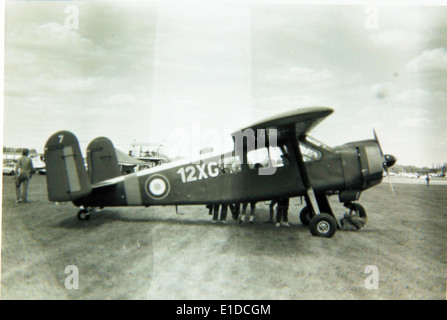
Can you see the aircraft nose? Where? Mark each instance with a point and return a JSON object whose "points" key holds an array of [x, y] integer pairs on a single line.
{"points": [[390, 160]]}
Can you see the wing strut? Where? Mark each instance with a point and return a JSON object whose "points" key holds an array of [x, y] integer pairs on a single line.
{"points": [[310, 197]]}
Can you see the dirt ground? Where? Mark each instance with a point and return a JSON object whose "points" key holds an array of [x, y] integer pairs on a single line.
{"points": [[152, 253]]}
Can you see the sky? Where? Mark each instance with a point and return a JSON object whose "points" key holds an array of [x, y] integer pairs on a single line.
{"points": [[186, 74]]}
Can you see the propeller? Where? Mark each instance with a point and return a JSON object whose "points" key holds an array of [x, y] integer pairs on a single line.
{"points": [[388, 161]]}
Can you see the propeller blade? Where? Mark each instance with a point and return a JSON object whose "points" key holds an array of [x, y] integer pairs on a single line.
{"points": [[385, 167], [389, 181], [377, 140]]}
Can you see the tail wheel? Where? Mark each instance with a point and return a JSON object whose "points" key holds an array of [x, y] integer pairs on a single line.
{"points": [[323, 225], [83, 215], [306, 215]]}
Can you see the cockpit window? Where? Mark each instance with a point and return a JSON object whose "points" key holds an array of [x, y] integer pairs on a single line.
{"points": [[309, 153]]}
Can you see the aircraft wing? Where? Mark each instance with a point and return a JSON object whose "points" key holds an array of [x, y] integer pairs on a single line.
{"points": [[303, 119]]}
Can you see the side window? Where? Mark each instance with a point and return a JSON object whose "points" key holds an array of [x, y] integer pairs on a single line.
{"points": [[278, 157], [258, 158], [274, 156], [228, 164], [309, 153], [231, 164]]}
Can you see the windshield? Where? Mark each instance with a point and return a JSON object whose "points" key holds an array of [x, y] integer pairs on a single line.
{"points": [[318, 143], [309, 153]]}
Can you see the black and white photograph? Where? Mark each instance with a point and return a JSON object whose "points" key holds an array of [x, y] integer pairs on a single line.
{"points": [[236, 151]]}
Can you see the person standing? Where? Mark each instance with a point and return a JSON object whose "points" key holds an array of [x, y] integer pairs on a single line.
{"points": [[272, 211], [24, 171], [235, 209], [428, 180], [244, 211], [215, 209], [223, 213], [283, 213], [210, 209]]}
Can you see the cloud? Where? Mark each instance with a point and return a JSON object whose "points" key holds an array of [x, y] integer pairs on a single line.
{"points": [[298, 75], [120, 99], [284, 102], [415, 123], [159, 67], [398, 38], [51, 40], [418, 95], [47, 58], [434, 60], [308, 76]]}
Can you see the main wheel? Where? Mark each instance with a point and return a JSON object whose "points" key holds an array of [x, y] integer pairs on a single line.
{"points": [[323, 225], [306, 215], [83, 215]]}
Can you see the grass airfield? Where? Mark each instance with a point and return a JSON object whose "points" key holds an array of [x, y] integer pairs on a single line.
{"points": [[153, 253]]}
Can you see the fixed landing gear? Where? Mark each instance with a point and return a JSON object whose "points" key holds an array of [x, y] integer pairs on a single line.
{"points": [[318, 216], [323, 225], [84, 214]]}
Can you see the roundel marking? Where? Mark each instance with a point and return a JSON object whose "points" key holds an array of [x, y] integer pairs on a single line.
{"points": [[157, 187]]}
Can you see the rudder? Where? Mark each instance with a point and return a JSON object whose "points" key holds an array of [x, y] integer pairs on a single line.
{"points": [[67, 179], [102, 160]]}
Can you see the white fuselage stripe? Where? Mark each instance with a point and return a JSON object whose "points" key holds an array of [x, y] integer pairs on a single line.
{"points": [[70, 167]]}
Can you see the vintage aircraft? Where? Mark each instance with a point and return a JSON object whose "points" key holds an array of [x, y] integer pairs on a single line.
{"points": [[301, 166]]}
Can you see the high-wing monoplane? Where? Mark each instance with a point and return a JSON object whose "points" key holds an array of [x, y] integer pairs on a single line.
{"points": [[272, 159]]}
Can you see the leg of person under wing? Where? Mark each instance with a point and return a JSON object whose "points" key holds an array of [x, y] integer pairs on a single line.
{"points": [[215, 213], [278, 215], [252, 211], [223, 213], [285, 212]]}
